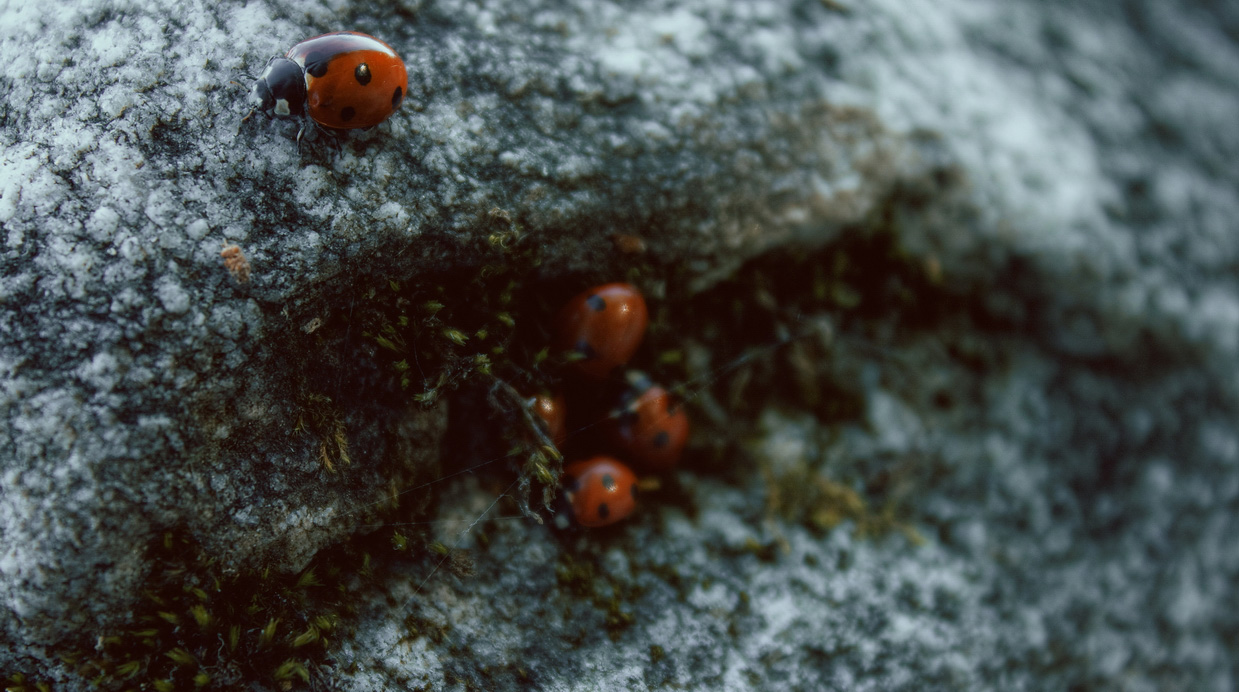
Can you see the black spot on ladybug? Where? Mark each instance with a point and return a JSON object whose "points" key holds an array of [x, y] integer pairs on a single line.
{"points": [[661, 439], [583, 348], [362, 73], [603, 510], [596, 303], [574, 486], [316, 64], [397, 98], [347, 113], [608, 482]]}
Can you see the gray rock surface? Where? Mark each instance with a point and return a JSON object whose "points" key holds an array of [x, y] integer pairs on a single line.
{"points": [[1056, 441]]}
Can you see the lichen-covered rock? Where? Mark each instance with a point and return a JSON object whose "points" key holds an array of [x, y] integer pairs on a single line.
{"points": [[147, 389], [949, 285]]}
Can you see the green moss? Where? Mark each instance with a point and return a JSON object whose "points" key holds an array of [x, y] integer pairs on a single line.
{"points": [[399, 541], [790, 307], [766, 552], [20, 682], [657, 653], [319, 416], [200, 628], [579, 575], [417, 627], [794, 330]]}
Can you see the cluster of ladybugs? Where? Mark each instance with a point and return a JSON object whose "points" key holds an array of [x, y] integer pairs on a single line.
{"points": [[348, 80], [628, 418]]}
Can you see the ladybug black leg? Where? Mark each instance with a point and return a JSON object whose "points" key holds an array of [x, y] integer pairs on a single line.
{"points": [[333, 136]]}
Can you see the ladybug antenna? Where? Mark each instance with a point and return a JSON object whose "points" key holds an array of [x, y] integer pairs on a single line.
{"points": [[242, 75]]}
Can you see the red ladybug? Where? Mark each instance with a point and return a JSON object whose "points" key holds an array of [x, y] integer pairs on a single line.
{"points": [[553, 411], [344, 81], [650, 428], [604, 325], [600, 490]]}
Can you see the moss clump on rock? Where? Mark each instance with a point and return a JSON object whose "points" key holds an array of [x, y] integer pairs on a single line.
{"points": [[199, 628]]}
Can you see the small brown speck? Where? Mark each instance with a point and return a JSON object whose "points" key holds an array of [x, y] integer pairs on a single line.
{"points": [[628, 244], [312, 325], [236, 263]]}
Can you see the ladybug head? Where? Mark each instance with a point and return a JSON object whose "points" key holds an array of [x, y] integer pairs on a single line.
{"points": [[281, 89]]}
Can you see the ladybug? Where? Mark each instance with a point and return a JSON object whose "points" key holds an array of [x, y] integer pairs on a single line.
{"points": [[343, 81], [649, 428], [603, 326], [553, 411], [601, 491]]}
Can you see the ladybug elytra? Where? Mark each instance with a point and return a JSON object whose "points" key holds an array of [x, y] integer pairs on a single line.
{"points": [[552, 409], [603, 327], [601, 491], [649, 428]]}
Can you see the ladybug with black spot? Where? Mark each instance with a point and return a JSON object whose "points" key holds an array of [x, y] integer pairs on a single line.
{"points": [[649, 427], [553, 411], [342, 81], [602, 327], [600, 491]]}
